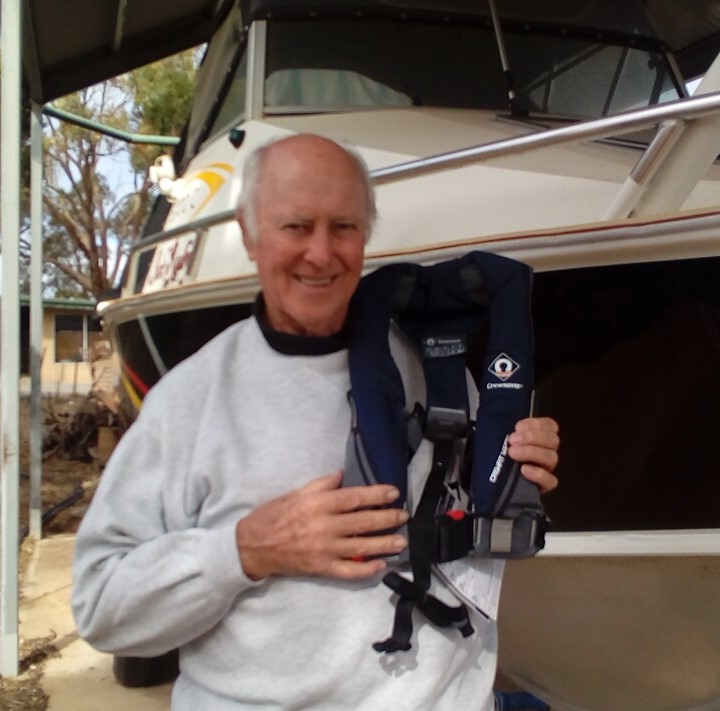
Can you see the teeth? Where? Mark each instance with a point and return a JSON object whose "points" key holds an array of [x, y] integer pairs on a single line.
{"points": [[309, 281]]}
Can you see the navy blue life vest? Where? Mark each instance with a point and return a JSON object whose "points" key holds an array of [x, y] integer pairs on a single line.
{"points": [[469, 314]]}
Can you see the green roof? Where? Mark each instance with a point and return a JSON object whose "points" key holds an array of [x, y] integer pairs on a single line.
{"points": [[66, 303]]}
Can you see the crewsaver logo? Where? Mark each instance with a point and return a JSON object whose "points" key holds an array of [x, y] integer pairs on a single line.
{"points": [[504, 367]]}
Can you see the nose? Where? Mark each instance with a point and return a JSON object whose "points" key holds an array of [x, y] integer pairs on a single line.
{"points": [[319, 249]]}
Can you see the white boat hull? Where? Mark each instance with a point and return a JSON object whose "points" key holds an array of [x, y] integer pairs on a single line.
{"points": [[614, 633]]}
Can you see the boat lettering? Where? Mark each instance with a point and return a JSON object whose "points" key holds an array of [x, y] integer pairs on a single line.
{"points": [[171, 263]]}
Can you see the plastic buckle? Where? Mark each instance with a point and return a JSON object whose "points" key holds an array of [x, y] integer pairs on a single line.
{"points": [[453, 535], [442, 423]]}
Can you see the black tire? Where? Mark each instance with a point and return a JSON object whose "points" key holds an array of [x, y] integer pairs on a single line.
{"points": [[138, 671]]}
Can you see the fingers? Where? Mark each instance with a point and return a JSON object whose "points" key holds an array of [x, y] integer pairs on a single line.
{"points": [[354, 498], [356, 569], [350, 498], [368, 521], [535, 443], [362, 556], [540, 431], [534, 454], [363, 548], [542, 477]]}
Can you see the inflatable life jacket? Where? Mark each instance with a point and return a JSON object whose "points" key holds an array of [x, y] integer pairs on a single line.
{"points": [[469, 314]]}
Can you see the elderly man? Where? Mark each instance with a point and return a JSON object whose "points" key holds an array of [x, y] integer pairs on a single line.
{"points": [[221, 526]]}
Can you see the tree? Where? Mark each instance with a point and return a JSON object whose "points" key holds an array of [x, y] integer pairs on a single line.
{"points": [[95, 194], [162, 98]]}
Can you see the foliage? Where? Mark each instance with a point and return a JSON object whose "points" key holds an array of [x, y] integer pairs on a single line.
{"points": [[95, 194], [162, 98]]}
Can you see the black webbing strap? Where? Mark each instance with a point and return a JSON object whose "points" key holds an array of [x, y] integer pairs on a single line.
{"points": [[423, 544]]}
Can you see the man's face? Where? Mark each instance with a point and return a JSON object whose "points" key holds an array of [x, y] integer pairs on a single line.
{"points": [[311, 218]]}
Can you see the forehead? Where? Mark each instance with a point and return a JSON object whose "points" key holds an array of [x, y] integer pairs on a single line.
{"points": [[312, 176]]}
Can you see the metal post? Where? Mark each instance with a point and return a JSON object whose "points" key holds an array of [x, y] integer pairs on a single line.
{"points": [[504, 61], [36, 322], [255, 90], [10, 353]]}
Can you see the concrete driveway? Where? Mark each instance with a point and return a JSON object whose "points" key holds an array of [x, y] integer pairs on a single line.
{"points": [[79, 678]]}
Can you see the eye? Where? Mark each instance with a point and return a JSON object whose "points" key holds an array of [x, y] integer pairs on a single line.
{"points": [[295, 227], [346, 226]]}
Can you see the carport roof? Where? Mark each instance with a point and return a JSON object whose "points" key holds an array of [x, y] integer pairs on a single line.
{"points": [[71, 44]]}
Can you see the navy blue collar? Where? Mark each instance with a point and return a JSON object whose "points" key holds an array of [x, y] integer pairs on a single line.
{"points": [[293, 344]]}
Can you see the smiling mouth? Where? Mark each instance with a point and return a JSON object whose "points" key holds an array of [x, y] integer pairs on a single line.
{"points": [[316, 282]]}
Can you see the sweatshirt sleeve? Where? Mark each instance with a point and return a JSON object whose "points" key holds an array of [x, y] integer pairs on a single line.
{"points": [[146, 578]]}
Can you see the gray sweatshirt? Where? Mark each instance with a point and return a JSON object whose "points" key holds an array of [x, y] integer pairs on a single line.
{"points": [[157, 567]]}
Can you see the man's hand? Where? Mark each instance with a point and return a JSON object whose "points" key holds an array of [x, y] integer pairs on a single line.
{"points": [[320, 529], [535, 444]]}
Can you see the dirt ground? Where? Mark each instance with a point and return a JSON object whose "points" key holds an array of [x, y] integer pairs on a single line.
{"points": [[72, 465], [70, 459]]}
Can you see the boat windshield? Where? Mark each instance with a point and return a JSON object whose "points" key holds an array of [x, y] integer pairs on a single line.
{"points": [[323, 65], [335, 65]]}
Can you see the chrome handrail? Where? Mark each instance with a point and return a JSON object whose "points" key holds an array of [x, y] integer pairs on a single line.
{"points": [[195, 226], [692, 108]]}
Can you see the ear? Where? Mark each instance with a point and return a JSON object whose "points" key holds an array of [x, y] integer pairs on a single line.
{"points": [[250, 246]]}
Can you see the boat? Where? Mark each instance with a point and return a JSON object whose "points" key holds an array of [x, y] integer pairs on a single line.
{"points": [[559, 133]]}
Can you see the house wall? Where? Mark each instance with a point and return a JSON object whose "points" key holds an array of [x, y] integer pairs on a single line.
{"points": [[59, 378]]}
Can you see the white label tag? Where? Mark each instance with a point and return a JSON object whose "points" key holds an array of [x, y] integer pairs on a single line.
{"points": [[476, 581]]}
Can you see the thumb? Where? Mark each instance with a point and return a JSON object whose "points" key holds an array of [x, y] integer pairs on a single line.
{"points": [[325, 483]]}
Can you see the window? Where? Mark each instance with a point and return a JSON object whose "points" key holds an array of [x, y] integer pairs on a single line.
{"points": [[74, 335], [220, 84], [324, 65], [579, 78]]}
